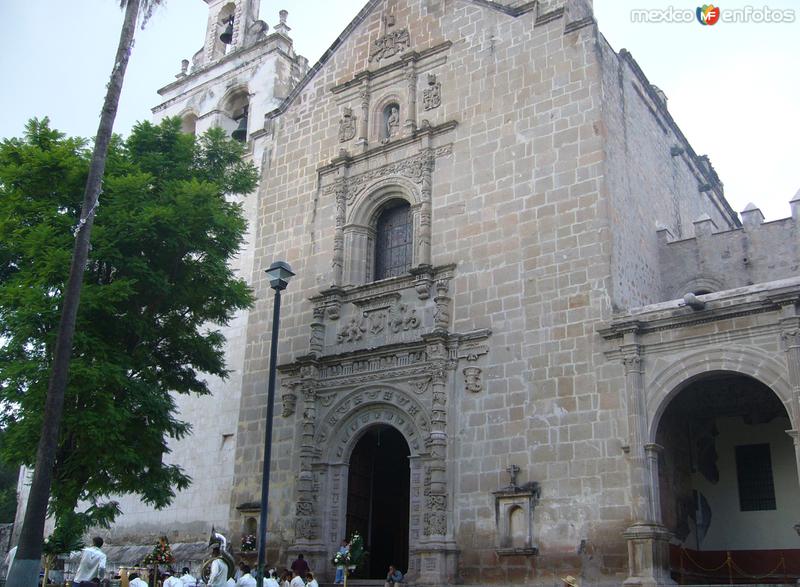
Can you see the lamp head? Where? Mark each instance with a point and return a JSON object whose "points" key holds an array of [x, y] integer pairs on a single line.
{"points": [[279, 274]]}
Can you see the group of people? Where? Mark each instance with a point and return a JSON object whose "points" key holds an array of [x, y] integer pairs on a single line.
{"points": [[91, 571]]}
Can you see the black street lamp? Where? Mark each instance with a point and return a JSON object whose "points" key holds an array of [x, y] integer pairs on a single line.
{"points": [[279, 274]]}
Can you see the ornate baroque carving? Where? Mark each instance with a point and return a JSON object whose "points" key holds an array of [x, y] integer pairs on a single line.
{"points": [[347, 126], [472, 379], [435, 523], [412, 168], [352, 331], [289, 400], [305, 528], [402, 317], [316, 342], [432, 95], [390, 44]]}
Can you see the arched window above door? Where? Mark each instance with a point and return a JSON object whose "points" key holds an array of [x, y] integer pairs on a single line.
{"points": [[393, 240]]}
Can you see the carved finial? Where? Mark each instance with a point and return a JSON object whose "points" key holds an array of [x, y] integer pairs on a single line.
{"points": [[282, 27], [184, 68]]}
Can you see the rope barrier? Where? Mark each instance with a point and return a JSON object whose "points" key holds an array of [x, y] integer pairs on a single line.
{"points": [[732, 567], [740, 571]]}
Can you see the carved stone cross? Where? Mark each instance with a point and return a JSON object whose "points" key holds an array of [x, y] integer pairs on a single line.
{"points": [[513, 471]]}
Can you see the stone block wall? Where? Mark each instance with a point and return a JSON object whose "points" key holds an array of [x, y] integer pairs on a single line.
{"points": [[518, 206], [653, 178]]}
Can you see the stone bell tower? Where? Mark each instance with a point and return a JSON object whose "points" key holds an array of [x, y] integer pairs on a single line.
{"points": [[240, 17]]}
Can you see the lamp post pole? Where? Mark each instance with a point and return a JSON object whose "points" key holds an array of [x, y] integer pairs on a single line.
{"points": [[279, 274]]}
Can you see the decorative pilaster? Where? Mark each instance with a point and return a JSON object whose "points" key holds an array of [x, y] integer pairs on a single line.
{"points": [[424, 232], [637, 425], [316, 343], [363, 132], [648, 540], [411, 111], [790, 335], [441, 318], [653, 453], [340, 192], [306, 514]]}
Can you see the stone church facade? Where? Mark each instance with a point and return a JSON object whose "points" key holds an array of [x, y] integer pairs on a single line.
{"points": [[528, 336]]}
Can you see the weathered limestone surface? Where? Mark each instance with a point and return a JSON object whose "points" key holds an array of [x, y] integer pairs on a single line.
{"points": [[528, 354]]}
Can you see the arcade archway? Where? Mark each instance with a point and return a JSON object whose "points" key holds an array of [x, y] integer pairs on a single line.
{"points": [[728, 481]]}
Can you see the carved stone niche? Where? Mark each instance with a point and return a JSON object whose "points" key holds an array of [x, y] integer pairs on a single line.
{"points": [[514, 506]]}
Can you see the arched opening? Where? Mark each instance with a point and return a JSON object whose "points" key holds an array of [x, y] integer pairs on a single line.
{"points": [[236, 115], [378, 491], [224, 16], [393, 240], [728, 482], [189, 124]]}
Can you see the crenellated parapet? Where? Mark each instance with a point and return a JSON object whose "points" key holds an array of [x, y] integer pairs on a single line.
{"points": [[715, 260]]}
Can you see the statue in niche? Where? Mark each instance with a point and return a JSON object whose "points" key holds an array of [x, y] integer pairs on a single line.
{"points": [[391, 128]]}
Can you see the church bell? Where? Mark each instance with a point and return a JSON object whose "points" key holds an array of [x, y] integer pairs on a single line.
{"points": [[240, 134], [227, 35]]}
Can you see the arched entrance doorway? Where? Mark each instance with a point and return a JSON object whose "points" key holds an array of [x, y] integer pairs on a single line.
{"points": [[378, 491], [728, 482]]}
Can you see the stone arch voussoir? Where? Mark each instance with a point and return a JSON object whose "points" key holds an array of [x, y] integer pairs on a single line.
{"points": [[348, 418], [370, 199], [752, 362]]}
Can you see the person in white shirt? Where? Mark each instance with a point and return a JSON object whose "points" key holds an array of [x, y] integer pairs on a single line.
{"points": [[135, 581], [297, 580], [171, 581], [93, 563], [246, 580], [187, 579], [10, 560], [219, 570], [270, 580], [310, 580]]}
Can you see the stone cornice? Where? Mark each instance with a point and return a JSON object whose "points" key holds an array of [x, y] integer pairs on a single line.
{"points": [[228, 60], [405, 59], [724, 305], [347, 160]]}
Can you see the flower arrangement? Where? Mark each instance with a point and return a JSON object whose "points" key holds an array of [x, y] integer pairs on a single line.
{"points": [[161, 555], [357, 553], [248, 543], [354, 556], [341, 559]]}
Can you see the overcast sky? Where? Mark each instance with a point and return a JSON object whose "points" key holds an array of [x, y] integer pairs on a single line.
{"points": [[734, 89]]}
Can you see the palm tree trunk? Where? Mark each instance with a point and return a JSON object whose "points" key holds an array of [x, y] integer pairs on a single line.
{"points": [[25, 570]]}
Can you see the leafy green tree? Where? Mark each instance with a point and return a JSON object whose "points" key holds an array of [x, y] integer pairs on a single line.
{"points": [[156, 280], [8, 488], [25, 569]]}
